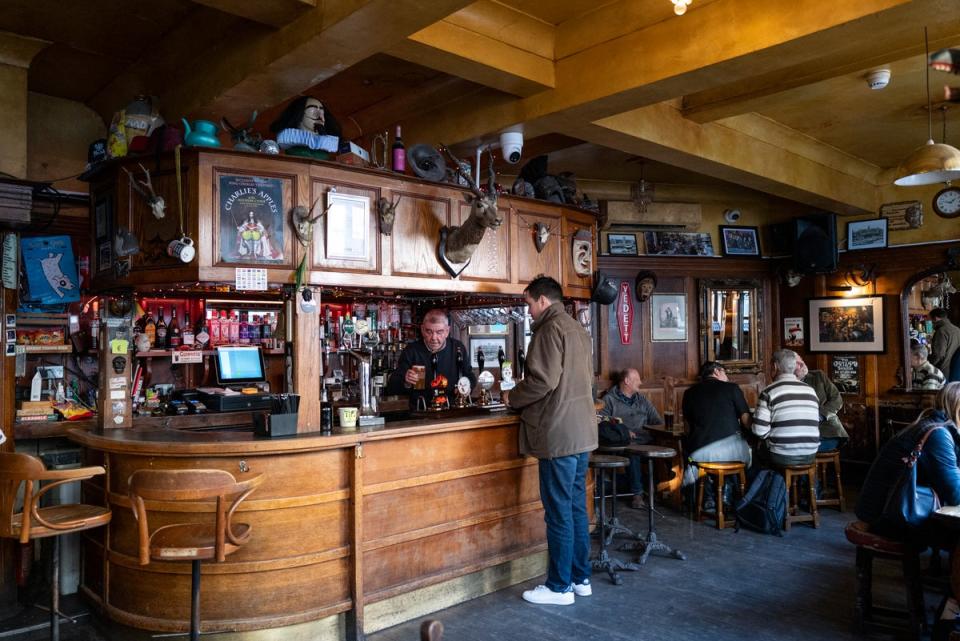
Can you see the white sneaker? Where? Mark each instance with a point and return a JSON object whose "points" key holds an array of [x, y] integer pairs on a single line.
{"points": [[583, 589], [542, 595]]}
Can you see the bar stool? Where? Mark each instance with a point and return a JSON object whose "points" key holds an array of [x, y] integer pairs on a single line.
{"points": [[197, 540], [791, 474], [719, 470], [605, 466], [825, 459], [650, 543], [35, 522], [872, 546]]}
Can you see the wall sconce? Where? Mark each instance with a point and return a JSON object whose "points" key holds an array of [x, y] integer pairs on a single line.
{"points": [[680, 6]]}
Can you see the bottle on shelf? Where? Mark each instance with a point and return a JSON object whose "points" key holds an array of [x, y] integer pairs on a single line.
{"points": [[347, 336], [244, 335], [174, 337], [266, 332], [234, 334], [95, 326], [161, 330], [255, 337], [326, 411], [399, 153], [203, 334], [213, 327], [150, 329], [188, 336]]}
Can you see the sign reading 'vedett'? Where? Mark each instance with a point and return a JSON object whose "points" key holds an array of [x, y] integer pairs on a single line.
{"points": [[625, 312]]}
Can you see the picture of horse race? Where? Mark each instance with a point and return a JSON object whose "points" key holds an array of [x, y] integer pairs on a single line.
{"points": [[853, 324]]}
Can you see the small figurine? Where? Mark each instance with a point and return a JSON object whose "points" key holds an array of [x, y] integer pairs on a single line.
{"points": [[646, 282], [506, 377], [305, 127]]}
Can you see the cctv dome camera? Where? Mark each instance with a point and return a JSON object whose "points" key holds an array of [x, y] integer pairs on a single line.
{"points": [[511, 142], [732, 215]]}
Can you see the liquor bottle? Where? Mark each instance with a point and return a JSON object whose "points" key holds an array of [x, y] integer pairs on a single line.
{"points": [[188, 336], [234, 334], [399, 153], [213, 327], [254, 330], [161, 330], [266, 332], [203, 335], [326, 411], [150, 329], [244, 329], [174, 338]]}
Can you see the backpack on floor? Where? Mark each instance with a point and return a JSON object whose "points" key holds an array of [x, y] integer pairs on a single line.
{"points": [[764, 507]]}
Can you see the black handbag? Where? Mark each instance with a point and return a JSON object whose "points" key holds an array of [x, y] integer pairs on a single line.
{"points": [[611, 434], [909, 504]]}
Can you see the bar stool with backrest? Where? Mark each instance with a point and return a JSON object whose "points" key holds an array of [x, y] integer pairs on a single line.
{"points": [[198, 539], [824, 461], [35, 522]]}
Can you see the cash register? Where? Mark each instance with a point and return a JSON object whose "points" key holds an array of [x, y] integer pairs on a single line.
{"points": [[238, 370]]}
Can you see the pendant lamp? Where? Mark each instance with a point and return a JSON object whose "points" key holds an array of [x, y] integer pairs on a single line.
{"points": [[933, 162]]}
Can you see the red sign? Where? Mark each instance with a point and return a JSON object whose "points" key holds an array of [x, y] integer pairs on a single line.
{"points": [[625, 312]]}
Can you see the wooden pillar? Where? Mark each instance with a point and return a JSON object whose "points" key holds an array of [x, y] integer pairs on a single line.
{"points": [[306, 365], [114, 405], [8, 587]]}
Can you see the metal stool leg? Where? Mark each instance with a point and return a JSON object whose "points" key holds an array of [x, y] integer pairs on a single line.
{"points": [[195, 601], [55, 590], [651, 544]]}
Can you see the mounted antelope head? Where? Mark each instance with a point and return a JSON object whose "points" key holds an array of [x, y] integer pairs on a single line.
{"points": [[303, 221], [457, 244], [388, 213]]}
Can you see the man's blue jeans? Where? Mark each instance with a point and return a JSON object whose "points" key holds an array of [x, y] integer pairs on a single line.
{"points": [[563, 492]]}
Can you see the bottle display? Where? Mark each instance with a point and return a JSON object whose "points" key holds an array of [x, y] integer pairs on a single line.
{"points": [[150, 329], [174, 337], [399, 153], [161, 330], [187, 336]]}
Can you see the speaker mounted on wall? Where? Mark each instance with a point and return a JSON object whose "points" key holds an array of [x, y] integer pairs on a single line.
{"points": [[815, 243]]}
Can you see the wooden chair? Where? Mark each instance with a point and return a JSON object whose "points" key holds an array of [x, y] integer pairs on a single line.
{"points": [[197, 540], [35, 522]]}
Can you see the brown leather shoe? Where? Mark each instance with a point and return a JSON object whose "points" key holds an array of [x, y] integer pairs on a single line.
{"points": [[638, 502]]}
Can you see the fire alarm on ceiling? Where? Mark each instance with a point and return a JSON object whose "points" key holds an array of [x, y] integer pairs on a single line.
{"points": [[878, 78]]}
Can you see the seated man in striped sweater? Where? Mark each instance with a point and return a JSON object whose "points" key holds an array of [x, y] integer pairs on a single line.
{"points": [[787, 417]]}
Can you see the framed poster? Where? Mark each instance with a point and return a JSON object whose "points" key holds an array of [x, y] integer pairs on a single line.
{"points": [[102, 232], [668, 317], [250, 220], [867, 234], [622, 244], [845, 373], [347, 231], [678, 243], [847, 325], [793, 332], [739, 241], [491, 346]]}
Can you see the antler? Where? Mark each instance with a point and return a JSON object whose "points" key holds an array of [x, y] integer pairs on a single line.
{"points": [[314, 219], [228, 127], [147, 182], [491, 190], [253, 119], [136, 184], [456, 164]]}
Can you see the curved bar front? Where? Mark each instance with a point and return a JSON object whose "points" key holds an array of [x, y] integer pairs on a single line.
{"points": [[340, 522]]}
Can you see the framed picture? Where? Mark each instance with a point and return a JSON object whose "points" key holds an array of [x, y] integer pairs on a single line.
{"points": [[622, 244], [867, 234], [348, 226], [251, 220], [490, 345], [678, 243], [11, 336], [739, 241], [793, 331], [668, 317], [497, 329], [845, 373], [847, 325], [907, 214], [10, 320]]}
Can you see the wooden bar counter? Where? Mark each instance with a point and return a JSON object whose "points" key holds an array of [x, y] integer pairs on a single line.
{"points": [[352, 518]]}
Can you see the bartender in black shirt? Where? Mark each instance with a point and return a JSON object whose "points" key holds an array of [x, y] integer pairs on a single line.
{"points": [[435, 342]]}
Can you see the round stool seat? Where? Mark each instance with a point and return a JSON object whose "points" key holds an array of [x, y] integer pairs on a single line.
{"points": [[651, 451], [721, 466], [611, 449], [859, 533], [829, 454], [798, 468], [607, 461]]}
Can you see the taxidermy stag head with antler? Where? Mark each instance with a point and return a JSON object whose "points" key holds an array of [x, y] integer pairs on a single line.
{"points": [[245, 139], [457, 244], [388, 213]]}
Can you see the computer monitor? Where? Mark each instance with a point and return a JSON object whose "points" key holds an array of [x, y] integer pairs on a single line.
{"points": [[239, 365]]}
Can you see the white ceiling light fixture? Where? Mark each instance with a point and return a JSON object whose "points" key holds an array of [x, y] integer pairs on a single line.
{"points": [[933, 162], [680, 6]]}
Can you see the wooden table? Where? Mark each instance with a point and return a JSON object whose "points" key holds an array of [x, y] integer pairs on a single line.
{"points": [[674, 440]]}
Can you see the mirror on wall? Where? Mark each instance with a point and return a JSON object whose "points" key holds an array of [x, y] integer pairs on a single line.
{"points": [[730, 324], [928, 290]]}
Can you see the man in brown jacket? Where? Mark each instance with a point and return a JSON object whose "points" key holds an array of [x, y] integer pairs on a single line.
{"points": [[558, 425]]}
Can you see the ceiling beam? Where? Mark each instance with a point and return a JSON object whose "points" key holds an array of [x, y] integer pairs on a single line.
{"points": [[273, 13], [257, 68], [889, 44]]}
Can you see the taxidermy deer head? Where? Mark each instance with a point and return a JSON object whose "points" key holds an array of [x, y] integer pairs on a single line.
{"points": [[145, 189], [457, 244], [303, 221], [245, 139], [388, 213], [541, 235]]}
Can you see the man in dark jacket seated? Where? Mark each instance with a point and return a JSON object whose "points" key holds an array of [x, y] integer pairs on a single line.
{"points": [[936, 468]]}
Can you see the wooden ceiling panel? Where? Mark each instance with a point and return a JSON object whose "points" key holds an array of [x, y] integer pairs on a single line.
{"points": [[555, 11], [64, 72]]}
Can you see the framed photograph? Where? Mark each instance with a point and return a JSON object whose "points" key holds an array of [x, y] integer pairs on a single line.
{"points": [[490, 345], [251, 220], [10, 320], [622, 244], [739, 241], [498, 329], [847, 325], [347, 226], [668, 317], [678, 243], [11, 336], [11, 349], [867, 234], [793, 331], [845, 373]]}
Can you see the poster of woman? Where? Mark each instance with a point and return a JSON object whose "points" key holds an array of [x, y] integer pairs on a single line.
{"points": [[251, 220]]}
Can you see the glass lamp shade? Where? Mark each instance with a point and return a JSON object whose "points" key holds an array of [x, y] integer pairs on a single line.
{"points": [[930, 164]]}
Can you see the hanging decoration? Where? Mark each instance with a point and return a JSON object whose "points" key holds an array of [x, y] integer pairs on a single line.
{"points": [[625, 313]]}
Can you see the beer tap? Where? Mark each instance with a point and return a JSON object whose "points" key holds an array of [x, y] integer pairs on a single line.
{"points": [[479, 359]]}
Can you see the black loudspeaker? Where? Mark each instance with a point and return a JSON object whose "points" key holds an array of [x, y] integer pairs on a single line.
{"points": [[815, 243]]}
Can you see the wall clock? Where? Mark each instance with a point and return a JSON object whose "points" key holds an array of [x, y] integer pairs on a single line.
{"points": [[946, 203]]}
